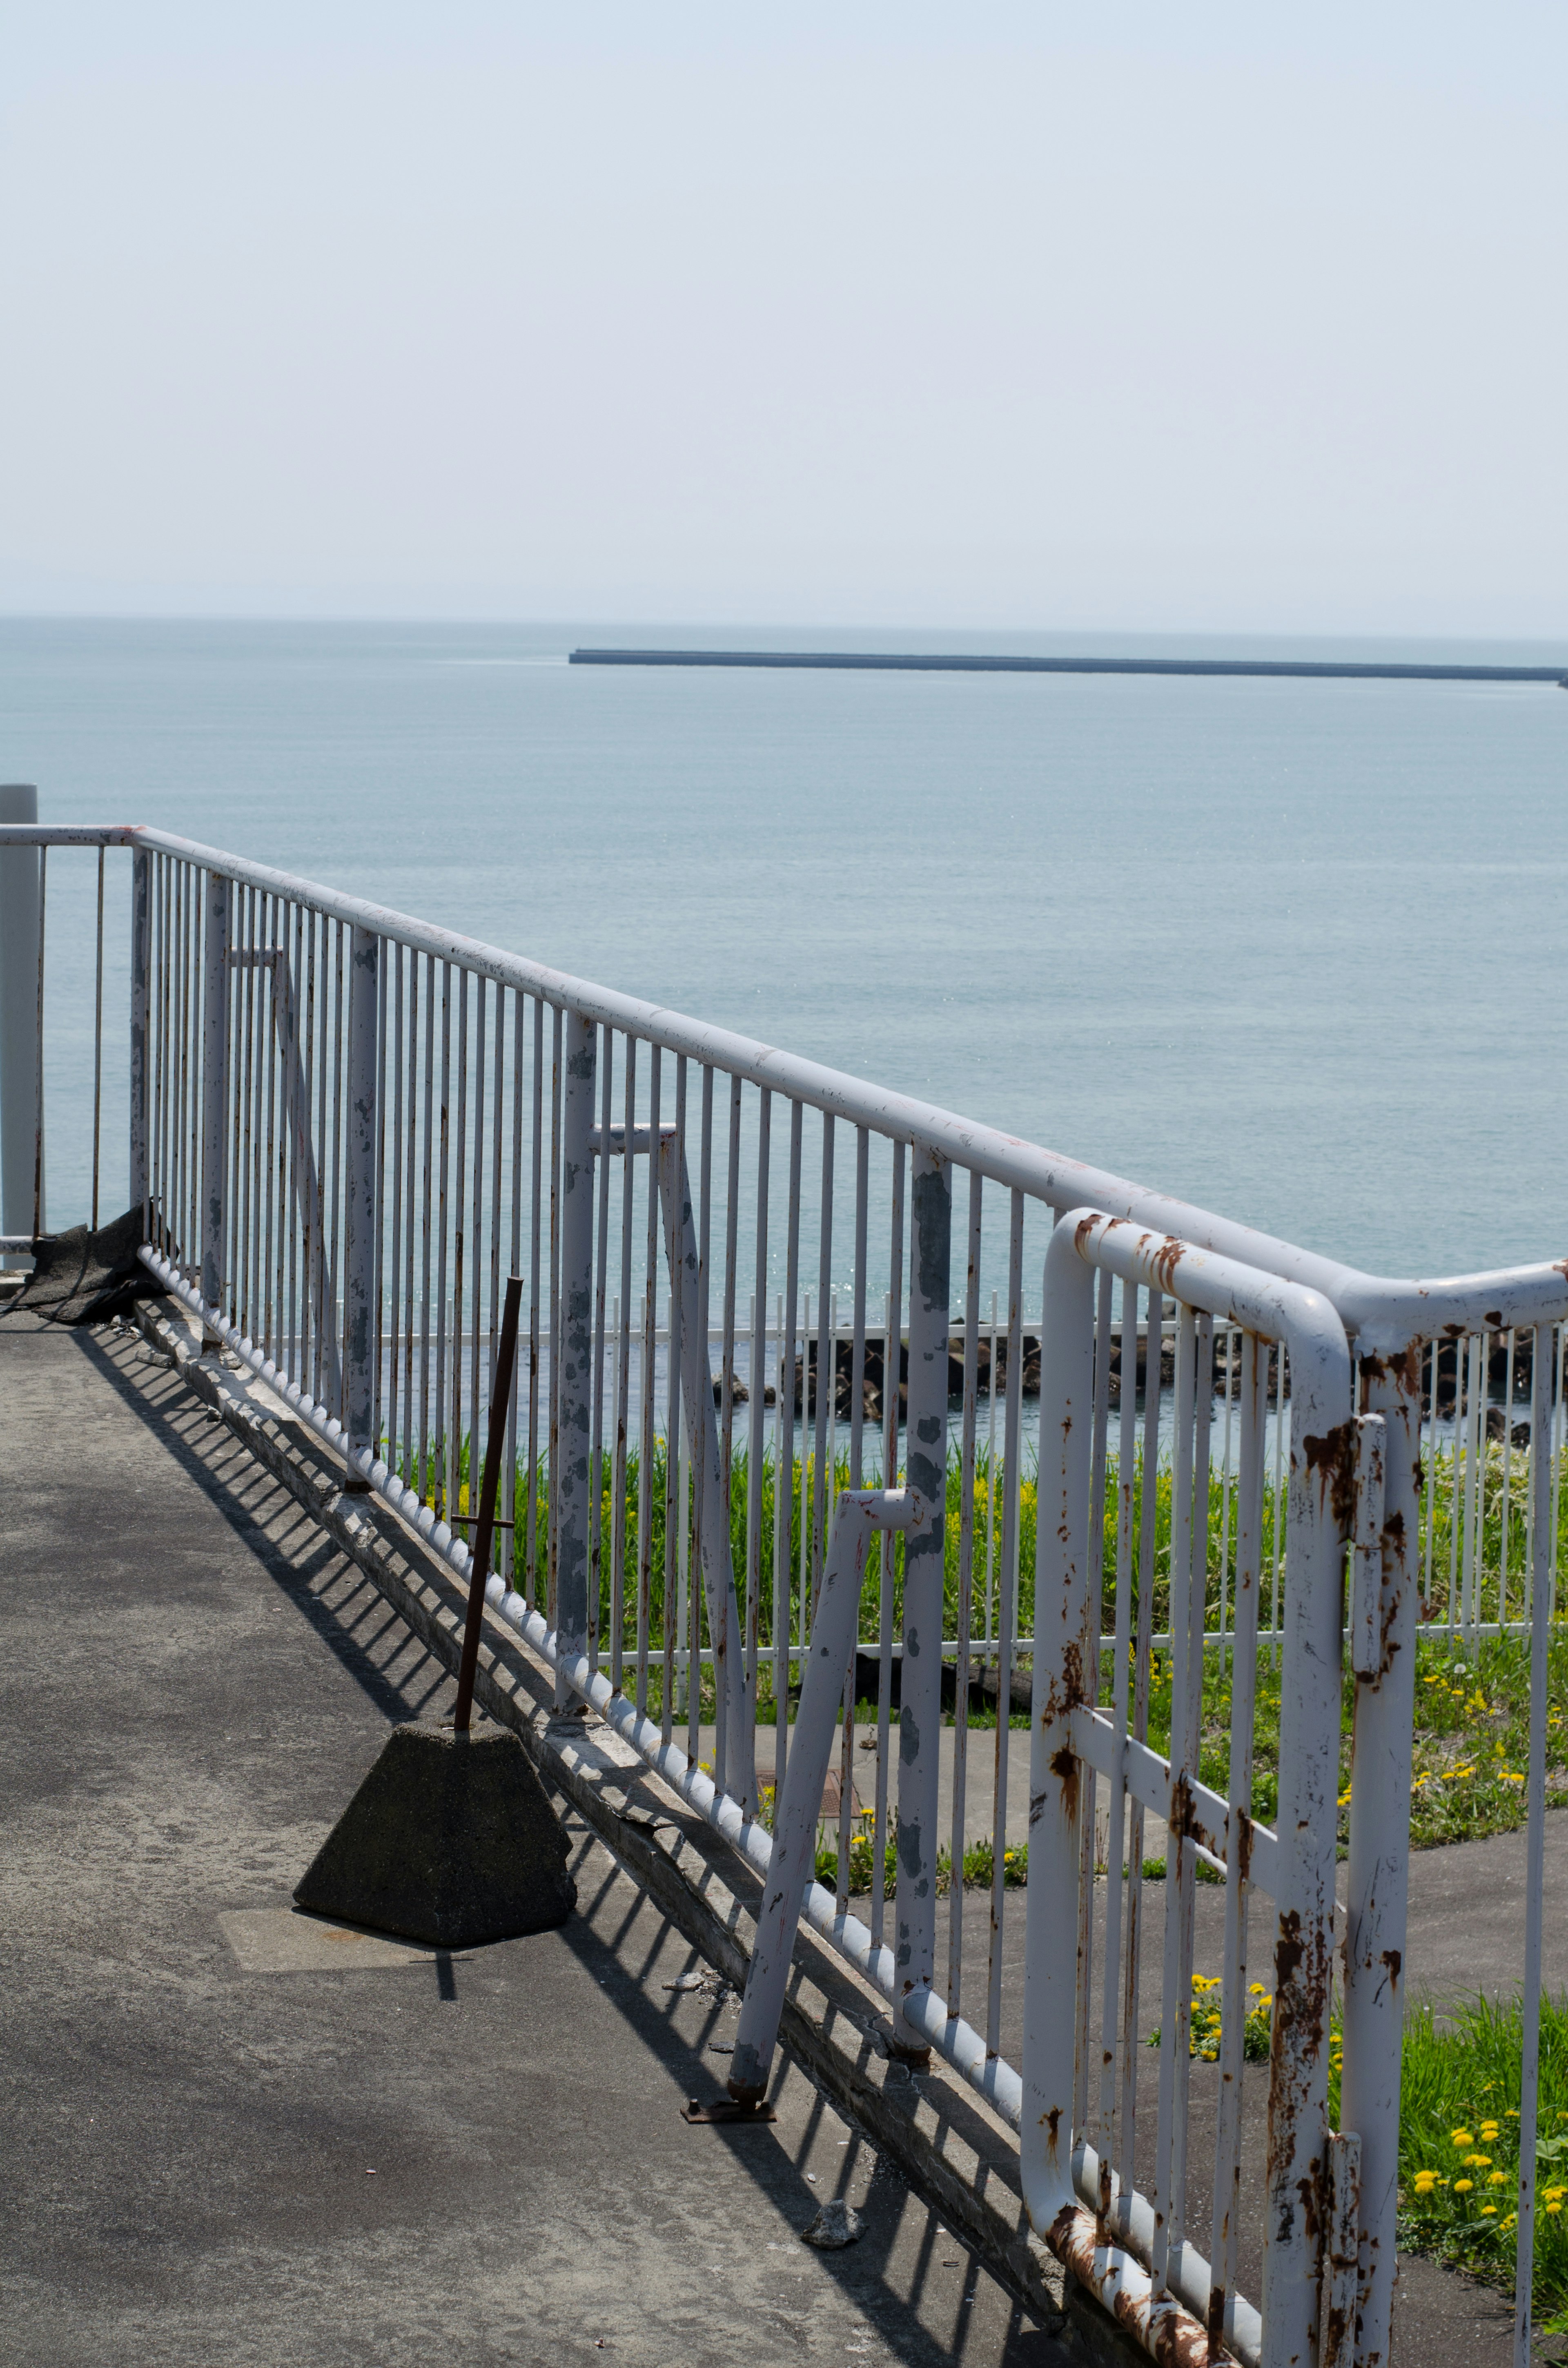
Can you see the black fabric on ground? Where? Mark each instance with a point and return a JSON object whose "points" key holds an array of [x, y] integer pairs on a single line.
{"points": [[80, 1277]]}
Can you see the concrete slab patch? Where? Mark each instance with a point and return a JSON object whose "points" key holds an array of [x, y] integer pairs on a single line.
{"points": [[283, 1941]]}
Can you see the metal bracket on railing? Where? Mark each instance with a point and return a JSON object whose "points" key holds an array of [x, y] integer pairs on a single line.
{"points": [[734, 1721], [860, 1513], [273, 961], [1366, 1547]]}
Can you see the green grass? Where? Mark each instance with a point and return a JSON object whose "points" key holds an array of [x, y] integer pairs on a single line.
{"points": [[977, 1866], [1205, 2022], [1471, 1711], [1459, 2145]]}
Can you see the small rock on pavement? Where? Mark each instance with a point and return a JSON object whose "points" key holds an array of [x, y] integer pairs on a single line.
{"points": [[835, 2226]]}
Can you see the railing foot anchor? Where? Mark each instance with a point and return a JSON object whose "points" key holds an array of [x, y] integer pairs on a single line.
{"points": [[725, 2109]]}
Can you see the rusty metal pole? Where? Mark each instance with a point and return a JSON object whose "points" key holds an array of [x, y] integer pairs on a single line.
{"points": [[1378, 1884], [214, 1094], [485, 1533], [926, 1471], [359, 1247], [573, 1344], [1319, 1517], [1544, 1387], [141, 957]]}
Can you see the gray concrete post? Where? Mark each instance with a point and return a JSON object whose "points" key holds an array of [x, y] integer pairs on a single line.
{"points": [[926, 1459], [214, 1088], [574, 1344], [18, 1020], [359, 1255]]}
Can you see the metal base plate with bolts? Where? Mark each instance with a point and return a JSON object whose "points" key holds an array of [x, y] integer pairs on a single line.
{"points": [[724, 2109]]}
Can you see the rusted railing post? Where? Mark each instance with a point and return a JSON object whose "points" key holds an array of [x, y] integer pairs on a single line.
{"points": [[925, 1461], [141, 956], [214, 1092], [1322, 1449], [573, 1344], [1380, 1847], [359, 1247]]}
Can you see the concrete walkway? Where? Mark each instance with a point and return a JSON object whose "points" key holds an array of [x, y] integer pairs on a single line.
{"points": [[233, 2134], [231, 2130]]}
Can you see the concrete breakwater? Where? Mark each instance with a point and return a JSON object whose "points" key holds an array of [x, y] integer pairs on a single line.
{"points": [[874, 1373], [1446, 1365]]}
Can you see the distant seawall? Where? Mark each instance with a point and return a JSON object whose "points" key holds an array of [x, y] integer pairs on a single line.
{"points": [[888, 662]]}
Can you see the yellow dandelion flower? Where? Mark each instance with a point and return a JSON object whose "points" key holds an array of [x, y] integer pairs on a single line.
{"points": [[1553, 2208], [1478, 2162], [1463, 2186], [1497, 2178], [1462, 2138], [1345, 1798], [1489, 2212]]}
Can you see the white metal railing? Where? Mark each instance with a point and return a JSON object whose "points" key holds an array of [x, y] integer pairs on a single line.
{"points": [[348, 1127]]}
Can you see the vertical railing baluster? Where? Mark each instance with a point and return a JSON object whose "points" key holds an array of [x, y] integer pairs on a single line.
{"points": [[1116, 2157], [601, 1285], [536, 1222], [1227, 2240], [893, 1345], [553, 1326], [926, 1454], [1007, 1613], [1148, 1510], [965, 1594], [756, 1383], [727, 1344], [98, 1042], [622, 1382], [650, 1351], [825, 1378], [515, 1563], [573, 1343], [393, 1159], [444, 1495], [141, 944], [214, 1094], [784, 1473], [361, 1228]]}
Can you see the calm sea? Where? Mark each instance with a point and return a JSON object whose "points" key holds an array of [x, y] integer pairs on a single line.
{"points": [[1291, 950]]}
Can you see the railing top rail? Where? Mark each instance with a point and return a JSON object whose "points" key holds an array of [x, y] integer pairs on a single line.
{"points": [[69, 834], [1384, 1314]]}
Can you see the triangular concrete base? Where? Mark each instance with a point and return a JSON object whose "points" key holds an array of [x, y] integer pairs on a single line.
{"points": [[450, 1839]]}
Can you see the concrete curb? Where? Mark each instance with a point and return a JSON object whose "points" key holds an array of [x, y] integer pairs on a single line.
{"points": [[956, 2156]]}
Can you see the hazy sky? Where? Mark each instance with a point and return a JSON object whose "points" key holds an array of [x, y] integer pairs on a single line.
{"points": [[1134, 315]]}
